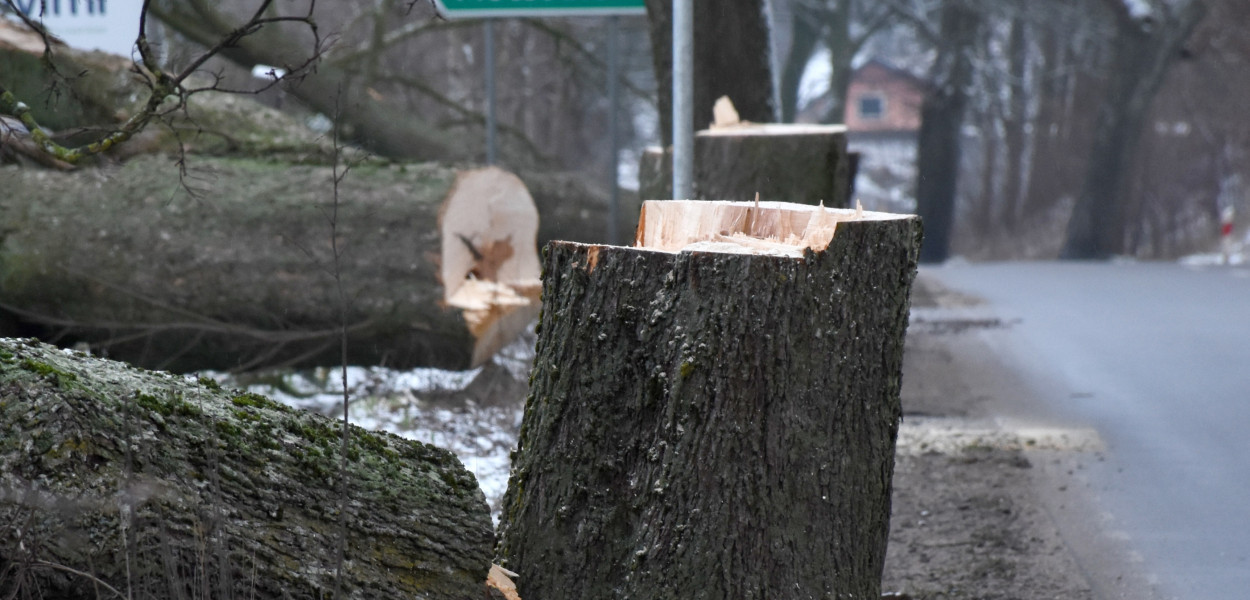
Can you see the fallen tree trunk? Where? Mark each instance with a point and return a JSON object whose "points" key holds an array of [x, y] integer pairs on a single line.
{"points": [[713, 413], [806, 164], [233, 267], [121, 482]]}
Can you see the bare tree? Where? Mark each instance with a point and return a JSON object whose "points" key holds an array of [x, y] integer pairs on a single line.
{"points": [[1148, 38], [840, 26], [941, 120], [740, 69], [167, 89]]}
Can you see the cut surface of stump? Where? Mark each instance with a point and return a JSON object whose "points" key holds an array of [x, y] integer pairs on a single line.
{"points": [[713, 413], [742, 227]]}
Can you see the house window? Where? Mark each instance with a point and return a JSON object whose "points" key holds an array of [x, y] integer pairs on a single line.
{"points": [[871, 107]]}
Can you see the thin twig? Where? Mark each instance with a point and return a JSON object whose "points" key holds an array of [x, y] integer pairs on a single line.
{"points": [[94, 580], [342, 301]]}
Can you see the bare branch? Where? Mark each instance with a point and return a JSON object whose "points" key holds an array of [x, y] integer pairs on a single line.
{"points": [[166, 93]]}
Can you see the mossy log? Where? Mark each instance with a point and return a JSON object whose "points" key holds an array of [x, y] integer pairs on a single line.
{"points": [[118, 482], [233, 266], [713, 413], [805, 164]]}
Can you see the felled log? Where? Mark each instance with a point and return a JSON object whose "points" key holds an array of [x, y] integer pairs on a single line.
{"points": [[232, 267], [713, 413], [806, 164], [125, 483]]}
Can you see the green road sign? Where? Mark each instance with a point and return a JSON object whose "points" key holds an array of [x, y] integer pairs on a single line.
{"points": [[472, 9]]}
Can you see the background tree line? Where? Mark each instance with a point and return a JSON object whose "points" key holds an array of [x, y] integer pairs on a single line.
{"points": [[1077, 128]]}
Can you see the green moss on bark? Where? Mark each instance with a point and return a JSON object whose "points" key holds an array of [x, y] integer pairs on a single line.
{"points": [[256, 481]]}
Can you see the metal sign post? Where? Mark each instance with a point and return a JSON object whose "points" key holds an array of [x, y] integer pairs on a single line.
{"points": [[488, 9], [683, 90]]}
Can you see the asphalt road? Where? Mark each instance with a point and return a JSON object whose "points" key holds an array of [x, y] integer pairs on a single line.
{"points": [[1156, 357]]}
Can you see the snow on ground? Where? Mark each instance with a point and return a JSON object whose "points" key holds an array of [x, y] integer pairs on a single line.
{"points": [[476, 414]]}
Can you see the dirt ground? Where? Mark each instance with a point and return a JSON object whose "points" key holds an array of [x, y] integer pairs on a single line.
{"points": [[972, 510]]}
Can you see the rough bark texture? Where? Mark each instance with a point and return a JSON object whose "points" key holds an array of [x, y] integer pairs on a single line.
{"points": [[164, 487], [739, 69], [240, 275], [655, 173], [804, 164], [941, 119], [712, 425]]}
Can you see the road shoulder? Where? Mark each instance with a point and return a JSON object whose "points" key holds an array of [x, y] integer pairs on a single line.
{"points": [[990, 502]]}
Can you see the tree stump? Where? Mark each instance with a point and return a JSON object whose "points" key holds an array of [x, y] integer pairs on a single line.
{"points": [[713, 413], [164, 487], [790, 163], [806, 164], [439, 266]]}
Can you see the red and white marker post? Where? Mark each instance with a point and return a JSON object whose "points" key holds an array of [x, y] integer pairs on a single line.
{"points": [[1226, 232]]}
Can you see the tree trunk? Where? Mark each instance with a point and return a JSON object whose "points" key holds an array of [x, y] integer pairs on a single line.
{"points": [[805, 35], [163, 487], [655, 173], [941, 119], [739, 69], [713, 415], [805, 164], [439, 266], [382, 127], [1143, 51]]}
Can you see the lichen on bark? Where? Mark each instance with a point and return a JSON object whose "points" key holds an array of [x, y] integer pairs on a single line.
{"points": [[162, 485]]}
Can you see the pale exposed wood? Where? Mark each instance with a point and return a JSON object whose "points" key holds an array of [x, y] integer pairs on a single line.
{"points": [[489, 267], [778, 228], [724, 114], [787, 129], [500, 579]]}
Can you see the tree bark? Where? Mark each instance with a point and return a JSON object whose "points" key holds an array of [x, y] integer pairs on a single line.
{"points": [[941, 121], [715, 422], [1143, 51], [439, 266], [740, 69], [805, 35], [164, 487], [805, 164]]}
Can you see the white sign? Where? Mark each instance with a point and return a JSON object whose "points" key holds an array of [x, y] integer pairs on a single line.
{"points": [[108, 25]]}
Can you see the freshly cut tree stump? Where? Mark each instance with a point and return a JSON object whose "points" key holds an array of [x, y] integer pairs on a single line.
{"points": [[122, 483], [439, 266], [713, 413], [806, 164]]}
